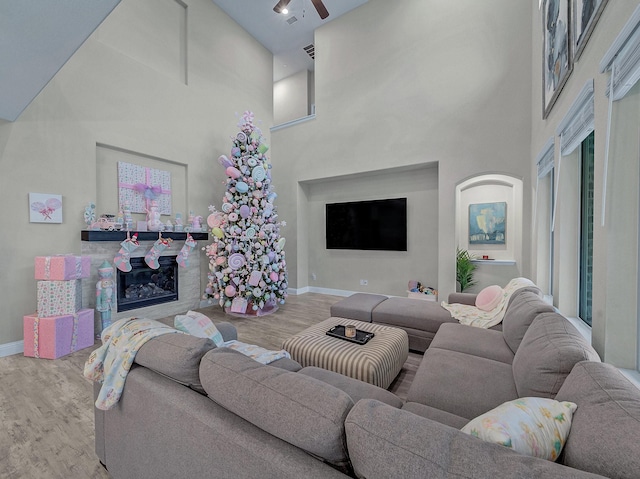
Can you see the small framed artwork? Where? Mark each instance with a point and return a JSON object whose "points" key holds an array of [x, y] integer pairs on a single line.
{"points": [[487, 223], [45, 208], [585, 16], [556, 53]]}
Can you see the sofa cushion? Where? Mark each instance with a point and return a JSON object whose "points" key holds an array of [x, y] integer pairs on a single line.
{"points": [[298, 409], [355, 388], [489, 298], [549, 350], [523, 308], [387, 442], [536, 427], [461, 384], [176, 356], [485, 343], [412, 313], [434, 414], [605, 435], [357, 306]]}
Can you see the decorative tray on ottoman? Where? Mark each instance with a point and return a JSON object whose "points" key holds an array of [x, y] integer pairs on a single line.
{"points": [[361, 337]]}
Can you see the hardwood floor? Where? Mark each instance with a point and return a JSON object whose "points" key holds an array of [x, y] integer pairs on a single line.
{"points": [[46, 407]]}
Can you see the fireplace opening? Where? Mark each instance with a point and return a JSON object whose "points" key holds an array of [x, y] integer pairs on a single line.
{"points": [[143, 286]]}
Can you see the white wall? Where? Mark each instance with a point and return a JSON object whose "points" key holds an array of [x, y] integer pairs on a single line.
{"points": [[108, 94], [386, 271], [432, 82], [291, 97], [615, 270]]}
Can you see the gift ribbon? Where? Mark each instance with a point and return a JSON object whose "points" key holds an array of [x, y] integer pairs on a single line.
{"points": [[47, 267], [74, 335], [36, 346], [149, 191]]}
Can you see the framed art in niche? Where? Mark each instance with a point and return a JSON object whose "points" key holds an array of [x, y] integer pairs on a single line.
{"points": [[487, 223], [556, 53]]}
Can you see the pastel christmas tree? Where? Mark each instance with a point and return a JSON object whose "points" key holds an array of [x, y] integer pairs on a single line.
{"points": [[248, 271]]}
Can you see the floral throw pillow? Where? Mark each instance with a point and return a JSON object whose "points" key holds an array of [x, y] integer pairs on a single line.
{"points": [[197, 324], [533, 426]]}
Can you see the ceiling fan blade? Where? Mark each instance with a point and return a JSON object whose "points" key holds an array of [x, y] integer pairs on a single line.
{"points": [[281, 5], [322, 10]]}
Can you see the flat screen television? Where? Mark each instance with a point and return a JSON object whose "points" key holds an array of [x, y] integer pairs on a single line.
{"points": [[367, 225]]}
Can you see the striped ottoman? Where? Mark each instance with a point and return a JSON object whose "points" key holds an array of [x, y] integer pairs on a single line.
{"points": [[378, 362]]}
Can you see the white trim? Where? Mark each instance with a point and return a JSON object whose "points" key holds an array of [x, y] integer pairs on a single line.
{"points": [[9, 349], [605, 169], [625, 51], [544, 160], [621, 39], [578, 123], [298, 291], [297, 121]]}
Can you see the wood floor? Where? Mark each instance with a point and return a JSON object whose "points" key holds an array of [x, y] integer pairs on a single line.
{"points": [[46, 407]]}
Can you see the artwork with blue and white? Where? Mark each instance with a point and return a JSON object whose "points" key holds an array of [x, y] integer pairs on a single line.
{"points": [[488, 223]]}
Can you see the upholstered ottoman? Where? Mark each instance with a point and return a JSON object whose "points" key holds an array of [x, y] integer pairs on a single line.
{"points": [[377, 362], [357, 306]]}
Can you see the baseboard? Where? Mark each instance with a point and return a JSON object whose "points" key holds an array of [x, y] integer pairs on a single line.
{"points": [[10, 349]]}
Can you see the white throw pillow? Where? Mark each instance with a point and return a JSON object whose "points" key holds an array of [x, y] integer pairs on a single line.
{"points": [[533, 426], [197, 324]]}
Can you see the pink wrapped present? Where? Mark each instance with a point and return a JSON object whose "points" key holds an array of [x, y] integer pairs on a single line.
{"points": [[59, 297], [57, 336], [62, 267]]}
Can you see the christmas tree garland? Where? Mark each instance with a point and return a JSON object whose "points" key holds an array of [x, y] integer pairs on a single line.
{"points": [[248, 271]]}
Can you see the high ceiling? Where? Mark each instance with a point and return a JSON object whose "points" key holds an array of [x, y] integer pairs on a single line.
{"points": [[37, 37], [284, 35]]}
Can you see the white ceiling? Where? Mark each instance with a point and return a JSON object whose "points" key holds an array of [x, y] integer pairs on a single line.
{"points": [[37, 37], [284, 40]]}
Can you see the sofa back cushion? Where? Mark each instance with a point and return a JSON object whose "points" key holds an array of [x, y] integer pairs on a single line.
{"points": [[298, 409], [549, 350], [605, 434], [523, 308], [176, 356]]}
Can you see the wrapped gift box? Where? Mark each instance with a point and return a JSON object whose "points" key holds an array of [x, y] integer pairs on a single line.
{"points": [[57, 336], [62, 267], [59, 297]]}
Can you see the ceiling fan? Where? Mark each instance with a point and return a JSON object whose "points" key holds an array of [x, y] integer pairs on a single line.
{"points": [[320, 8]]}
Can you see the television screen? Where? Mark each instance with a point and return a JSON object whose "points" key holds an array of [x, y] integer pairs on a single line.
{"points": [[367, 225]]}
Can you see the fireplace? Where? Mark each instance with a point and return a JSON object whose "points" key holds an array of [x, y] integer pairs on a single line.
{"points": [[143, 286]]}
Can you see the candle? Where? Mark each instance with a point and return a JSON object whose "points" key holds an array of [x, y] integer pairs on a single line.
{"points": [[350, 331]]}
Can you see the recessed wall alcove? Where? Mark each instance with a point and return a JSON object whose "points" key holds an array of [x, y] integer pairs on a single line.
{"points": [[385, 272], [505, 259]]}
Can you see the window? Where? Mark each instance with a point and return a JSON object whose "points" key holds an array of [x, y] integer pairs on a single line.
{"points": [[586, 229], [544, 219]]}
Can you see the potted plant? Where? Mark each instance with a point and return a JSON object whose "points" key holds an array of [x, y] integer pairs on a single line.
{"points": [[464, 269]]}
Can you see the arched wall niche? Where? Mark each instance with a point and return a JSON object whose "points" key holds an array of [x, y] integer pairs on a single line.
{"points": [[489, 193]]}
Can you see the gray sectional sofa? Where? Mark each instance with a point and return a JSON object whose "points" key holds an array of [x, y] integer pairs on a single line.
{"points": [[419, 318], [191, 410]]}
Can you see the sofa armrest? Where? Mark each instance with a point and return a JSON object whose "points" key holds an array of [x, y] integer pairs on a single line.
{"points": [[387, 442], [227, 330], [463, 298]]}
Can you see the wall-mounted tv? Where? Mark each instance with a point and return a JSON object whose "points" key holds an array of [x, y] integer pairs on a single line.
{"points": [[367, 225]]}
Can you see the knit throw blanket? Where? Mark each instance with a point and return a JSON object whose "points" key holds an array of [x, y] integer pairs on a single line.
{"points": [[110, 363], [472, 316]]}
